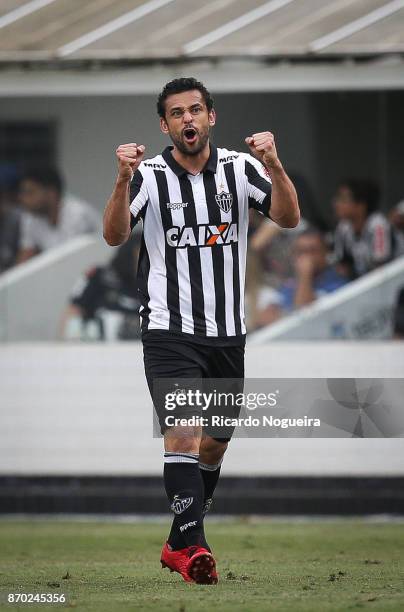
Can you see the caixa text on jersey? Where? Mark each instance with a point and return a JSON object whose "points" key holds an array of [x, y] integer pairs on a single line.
{"points": [[202, 235]]}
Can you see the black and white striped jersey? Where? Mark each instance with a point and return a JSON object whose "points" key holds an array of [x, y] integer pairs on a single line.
{"points": [[191, 271]]}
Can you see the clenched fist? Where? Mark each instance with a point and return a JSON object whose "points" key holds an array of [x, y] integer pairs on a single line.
{"points": [[129, 157], [262, 146]]}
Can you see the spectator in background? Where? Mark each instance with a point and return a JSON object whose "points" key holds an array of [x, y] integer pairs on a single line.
{"points": [[396, 218], [107, 289], [10, 217], [50, 216], [272, 244], [269, 261], [313, 278], [364, 239], [310, 210]]}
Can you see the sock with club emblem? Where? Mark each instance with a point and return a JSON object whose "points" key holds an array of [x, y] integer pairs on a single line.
{"points": [[185, 491], [210, 476]]}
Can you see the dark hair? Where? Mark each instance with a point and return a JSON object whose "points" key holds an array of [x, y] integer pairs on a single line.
{"points": [[312, 232], [179, 86], [364, 191], [46, 177]]}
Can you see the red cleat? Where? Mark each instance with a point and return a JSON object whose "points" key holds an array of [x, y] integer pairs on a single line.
{"points": [[195, 564], [201, 566], [176, 561]]}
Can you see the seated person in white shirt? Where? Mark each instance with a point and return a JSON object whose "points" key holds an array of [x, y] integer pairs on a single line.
{"points": [[50, 216], [364, 239]]}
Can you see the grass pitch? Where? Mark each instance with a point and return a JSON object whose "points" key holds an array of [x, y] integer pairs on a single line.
{"points": [[267, 565]]}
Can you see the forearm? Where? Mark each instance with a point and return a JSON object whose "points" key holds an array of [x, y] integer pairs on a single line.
{"points": [[264, 236], [304, 293], [117, 214], [284, 204]]}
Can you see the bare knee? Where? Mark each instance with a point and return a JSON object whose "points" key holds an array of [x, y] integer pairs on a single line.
{"points": [[183, 440], [211, 451]]}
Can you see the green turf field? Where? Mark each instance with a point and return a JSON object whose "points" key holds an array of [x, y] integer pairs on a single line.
{"points": [[310, 566]]}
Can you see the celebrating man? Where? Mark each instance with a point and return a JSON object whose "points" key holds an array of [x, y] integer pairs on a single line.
{"points": [[193, 200]]}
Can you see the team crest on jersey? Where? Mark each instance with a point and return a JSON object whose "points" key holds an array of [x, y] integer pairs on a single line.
{"points": [[224, 200], [179, 505]]}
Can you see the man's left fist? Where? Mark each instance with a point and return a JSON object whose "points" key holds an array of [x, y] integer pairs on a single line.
{"points": [[262, 146]]}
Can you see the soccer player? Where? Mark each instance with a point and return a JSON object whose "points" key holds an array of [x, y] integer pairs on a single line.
{"points": [[193, 200]]}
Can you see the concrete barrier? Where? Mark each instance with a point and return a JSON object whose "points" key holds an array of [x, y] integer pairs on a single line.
{"points": [[71, 409], [34, 294], [361, 310]]}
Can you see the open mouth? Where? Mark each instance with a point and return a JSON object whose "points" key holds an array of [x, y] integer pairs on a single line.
{"points": [[190, 135]]}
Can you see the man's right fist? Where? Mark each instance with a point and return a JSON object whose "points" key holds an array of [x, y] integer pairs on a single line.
{"points": [[129, 157]]}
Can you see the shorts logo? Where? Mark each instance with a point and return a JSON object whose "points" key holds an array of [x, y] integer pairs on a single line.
{"points": [[176, 205], [179, 505], [224, 200], [187, 525]]}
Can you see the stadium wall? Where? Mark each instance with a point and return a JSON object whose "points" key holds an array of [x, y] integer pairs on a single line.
{"points": [[85, 410], [58, 269], [365, 135], [361, 310], [76, 437], [90, 128]]}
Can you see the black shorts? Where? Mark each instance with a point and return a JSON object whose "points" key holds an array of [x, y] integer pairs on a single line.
{"points": [[170, 356]]}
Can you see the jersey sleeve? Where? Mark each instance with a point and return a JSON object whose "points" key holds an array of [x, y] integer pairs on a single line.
{"points": [[138, 198], [259, 186]]}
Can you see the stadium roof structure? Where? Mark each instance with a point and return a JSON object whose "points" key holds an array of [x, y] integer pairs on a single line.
{"points": [[83, 34], [162, 30]]}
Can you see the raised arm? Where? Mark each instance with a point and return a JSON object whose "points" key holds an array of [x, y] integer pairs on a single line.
{"points": [[117, 213], [284, 205]]}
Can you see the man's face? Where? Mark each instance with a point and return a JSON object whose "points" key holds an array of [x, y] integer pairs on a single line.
{"points": [[187, 121], [311, 247], [344, 204], [35, 197]]}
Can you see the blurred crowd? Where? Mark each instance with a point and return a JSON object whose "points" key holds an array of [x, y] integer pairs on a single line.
{"points": [[286, 268], [37, 214], [291, 268]]}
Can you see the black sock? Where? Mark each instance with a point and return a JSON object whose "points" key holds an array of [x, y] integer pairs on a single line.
{"points": [[210, 475], [184, 487]]}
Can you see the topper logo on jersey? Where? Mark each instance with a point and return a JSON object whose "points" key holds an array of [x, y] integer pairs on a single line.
{"points": [[202, 235], [224, 200], [176, 205]]}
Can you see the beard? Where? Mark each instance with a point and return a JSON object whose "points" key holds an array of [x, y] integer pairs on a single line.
{"points": [[191, 149]]}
